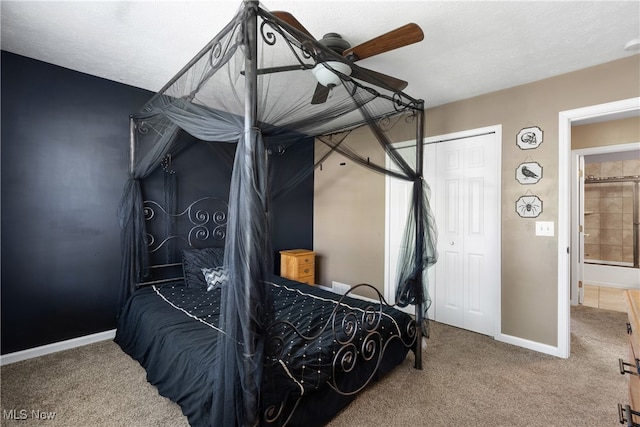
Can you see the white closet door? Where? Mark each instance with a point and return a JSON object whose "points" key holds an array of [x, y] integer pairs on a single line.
{"points": [[468, 218]]}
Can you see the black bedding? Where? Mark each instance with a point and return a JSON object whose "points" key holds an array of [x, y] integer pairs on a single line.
{"points": [[172, 331]]}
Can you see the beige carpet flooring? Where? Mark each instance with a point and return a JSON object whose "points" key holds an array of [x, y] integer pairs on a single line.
{"points": [[468, 380]]}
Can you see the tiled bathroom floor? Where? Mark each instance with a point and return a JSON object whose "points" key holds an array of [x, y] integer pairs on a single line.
{"points": [[604, 297]]}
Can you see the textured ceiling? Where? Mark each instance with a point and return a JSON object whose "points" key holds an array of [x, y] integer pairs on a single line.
{"points": [[470, 48]]}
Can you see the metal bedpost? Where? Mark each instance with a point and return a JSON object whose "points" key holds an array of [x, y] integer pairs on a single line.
{"points": [[250, 408], [419, 232], [132, 168], [132, 145], [251, 68], [251, 85]]}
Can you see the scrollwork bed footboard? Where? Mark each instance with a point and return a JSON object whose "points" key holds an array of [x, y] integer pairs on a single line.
{"points": [[344, 349]]}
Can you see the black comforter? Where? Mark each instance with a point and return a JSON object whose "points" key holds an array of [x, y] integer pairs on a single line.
{"points": [[172, 331]]}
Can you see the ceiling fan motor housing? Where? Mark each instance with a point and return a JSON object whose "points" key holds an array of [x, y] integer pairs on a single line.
{"points": [[335, 42]]}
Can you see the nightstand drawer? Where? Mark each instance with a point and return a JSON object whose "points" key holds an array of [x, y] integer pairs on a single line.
{"points": [[306, 270], [306, 259]]}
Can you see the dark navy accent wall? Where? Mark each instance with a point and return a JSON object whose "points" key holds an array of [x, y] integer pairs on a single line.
{"points": [[64, 165], [292, 212], [64, 160]]}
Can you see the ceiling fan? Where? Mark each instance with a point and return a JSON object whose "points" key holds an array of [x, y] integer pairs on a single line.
{"points": [[400, 37]]}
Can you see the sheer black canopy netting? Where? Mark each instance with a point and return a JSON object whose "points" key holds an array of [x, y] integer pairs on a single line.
{"points": [[253, 86]]}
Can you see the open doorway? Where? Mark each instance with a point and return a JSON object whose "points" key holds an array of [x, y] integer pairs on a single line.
{"points": [[568, 260], [608, 188]]}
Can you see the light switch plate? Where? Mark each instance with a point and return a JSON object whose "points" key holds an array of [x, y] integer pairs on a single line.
{"points": [[545, 228]]}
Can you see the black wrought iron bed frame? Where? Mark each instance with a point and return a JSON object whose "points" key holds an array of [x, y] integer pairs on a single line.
{"points": [[352, 351], [206, 220]]}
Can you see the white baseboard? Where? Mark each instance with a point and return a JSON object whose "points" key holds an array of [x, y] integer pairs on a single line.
{"points": [[30, 353], [352, 295], [531, 345]]}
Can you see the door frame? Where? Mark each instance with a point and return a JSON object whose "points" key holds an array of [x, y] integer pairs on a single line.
{"points": [[565, 200]]}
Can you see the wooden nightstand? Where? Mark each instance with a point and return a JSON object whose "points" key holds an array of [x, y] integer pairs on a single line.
{"points": [[298, 264]]}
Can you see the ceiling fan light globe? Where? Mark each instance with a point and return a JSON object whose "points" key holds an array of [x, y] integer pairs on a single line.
{"points": [[324, 72]]}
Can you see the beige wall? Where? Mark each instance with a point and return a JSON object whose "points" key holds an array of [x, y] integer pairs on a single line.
{"points": [[349, 215], [348, 234], [529, 264], [612, 132]]}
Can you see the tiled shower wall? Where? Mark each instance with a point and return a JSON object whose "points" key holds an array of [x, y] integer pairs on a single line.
{"points": [[609, 212]]}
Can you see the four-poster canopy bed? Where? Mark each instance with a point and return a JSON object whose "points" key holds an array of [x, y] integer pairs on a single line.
{"points": [[229, 341]]}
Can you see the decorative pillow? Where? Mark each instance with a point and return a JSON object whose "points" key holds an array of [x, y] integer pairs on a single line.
{"points": [[194, 260], [214, 277]]}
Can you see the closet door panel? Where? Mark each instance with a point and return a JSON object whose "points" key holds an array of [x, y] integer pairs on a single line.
{"points": [[468, 216]]}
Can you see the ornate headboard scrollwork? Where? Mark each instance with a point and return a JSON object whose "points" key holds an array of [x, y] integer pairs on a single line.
{"points": [[203, 223]]}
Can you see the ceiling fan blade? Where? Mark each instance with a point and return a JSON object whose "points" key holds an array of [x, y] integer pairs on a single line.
{"points": [[403, 36], [320, 95], [376, 78], [292, 21]]}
